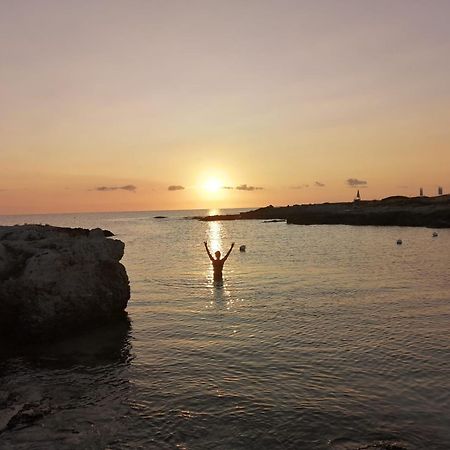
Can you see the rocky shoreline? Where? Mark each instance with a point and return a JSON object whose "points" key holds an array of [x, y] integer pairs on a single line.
{"points": [[59, 281], [432, 212]]}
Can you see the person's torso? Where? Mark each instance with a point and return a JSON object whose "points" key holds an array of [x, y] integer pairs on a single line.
{"points": [[218, 265]]}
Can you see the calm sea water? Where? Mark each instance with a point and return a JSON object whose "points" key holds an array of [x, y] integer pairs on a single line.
{"points": [[321, 337]]}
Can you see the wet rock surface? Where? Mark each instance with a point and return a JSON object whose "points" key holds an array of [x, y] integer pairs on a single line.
{"points": [[68, 393], [57, 281]]}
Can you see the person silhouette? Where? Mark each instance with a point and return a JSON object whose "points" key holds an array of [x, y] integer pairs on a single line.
{"points": [[218, 263]]}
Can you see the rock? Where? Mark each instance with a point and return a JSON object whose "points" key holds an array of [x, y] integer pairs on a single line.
{"points": [[23, 407], [57, 281], [5, 263], [431, 212], [97, 233], [28, 414]]}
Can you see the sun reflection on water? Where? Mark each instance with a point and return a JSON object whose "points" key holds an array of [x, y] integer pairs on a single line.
{"points": [[213, 212], [222, 299], [214, 233]]}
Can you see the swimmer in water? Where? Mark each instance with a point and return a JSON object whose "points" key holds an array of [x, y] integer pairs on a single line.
{"points": [[218, 263]]}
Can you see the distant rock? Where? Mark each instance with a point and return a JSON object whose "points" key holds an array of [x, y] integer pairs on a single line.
{"points": [[433, 212], [56, 281], [160, 217]]}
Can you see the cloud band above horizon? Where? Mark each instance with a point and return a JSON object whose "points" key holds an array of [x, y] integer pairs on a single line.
{"points": [[352, 182], [175, 187], [127, 187]]}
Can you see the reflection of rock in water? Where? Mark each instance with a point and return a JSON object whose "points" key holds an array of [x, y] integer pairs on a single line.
{"points": [[107, 344], [74, 392]]}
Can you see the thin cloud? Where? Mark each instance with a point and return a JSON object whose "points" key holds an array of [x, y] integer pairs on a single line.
{"points": [[227, 187], [127, 187], [318, 184], [352, 182], [300, 186], [245, 187], [175, 187]]}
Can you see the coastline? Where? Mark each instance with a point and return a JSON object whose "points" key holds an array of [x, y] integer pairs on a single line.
{"points": [[431, 212]]}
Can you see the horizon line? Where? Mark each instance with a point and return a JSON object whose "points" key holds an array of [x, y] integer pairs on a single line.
{"points": [[202, 209], [119, 211]]}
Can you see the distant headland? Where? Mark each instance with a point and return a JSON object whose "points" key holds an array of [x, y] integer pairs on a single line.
{"points": [[432, 212]]}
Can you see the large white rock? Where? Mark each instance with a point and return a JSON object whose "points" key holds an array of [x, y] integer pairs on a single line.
{"points": [[55, 281]]}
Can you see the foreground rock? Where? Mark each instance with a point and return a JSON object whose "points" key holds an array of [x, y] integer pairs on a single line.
{"points": [[57, 281], [433, 212]]}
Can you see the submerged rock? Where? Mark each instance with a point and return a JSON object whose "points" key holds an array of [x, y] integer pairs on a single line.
{"points": [[56, 281]]}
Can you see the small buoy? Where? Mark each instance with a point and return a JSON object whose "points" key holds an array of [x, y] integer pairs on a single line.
{"points": [[399, 242], [242, 248], [435, 234]]}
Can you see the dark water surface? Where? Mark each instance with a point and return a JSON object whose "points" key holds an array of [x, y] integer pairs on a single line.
{"points": [[321, 337]]}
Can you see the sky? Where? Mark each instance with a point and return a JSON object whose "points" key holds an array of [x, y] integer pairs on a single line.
{"points": [[163, 104]]}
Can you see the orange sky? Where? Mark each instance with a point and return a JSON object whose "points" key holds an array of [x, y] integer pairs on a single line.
{"points": [[292, 97]]}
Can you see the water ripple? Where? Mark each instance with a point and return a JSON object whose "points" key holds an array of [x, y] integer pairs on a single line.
{"points": [[319, 338]]}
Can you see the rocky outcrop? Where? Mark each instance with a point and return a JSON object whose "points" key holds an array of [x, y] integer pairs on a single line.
{"points": [[56, 281], [433, 212]]}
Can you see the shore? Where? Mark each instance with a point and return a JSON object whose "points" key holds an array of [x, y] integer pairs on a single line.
{"points": [[432, 212]]}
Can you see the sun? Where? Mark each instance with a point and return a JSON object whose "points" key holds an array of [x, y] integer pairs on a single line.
{"points": [[212, 185]]}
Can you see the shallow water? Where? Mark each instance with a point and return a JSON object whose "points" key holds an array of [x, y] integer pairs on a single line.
{"points": [[321, 337]]}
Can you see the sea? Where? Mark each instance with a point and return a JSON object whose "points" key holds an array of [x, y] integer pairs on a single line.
{"points": [[320, 337]]}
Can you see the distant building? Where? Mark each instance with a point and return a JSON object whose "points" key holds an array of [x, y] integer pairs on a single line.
{"points": [[421, 192], [357, 198], [440, 190]]}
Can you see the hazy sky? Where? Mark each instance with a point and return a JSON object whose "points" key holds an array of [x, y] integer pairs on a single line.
{"points": [[105, 104]]}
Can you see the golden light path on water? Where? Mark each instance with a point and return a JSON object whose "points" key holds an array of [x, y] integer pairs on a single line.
{"points": [[214, 239], [215, 235]]}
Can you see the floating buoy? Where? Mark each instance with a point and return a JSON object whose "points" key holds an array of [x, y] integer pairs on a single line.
{"points": [[399, 242], [435, 234], [242, 248]]}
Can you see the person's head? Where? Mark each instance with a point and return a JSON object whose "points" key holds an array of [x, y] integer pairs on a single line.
{"points": [[217, 254]]}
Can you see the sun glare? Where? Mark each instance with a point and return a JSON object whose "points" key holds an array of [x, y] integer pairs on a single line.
{"points": [[212, 185]]}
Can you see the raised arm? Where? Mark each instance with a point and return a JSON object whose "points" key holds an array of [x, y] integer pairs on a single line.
{"points": [[228, 253], [207, 251]]}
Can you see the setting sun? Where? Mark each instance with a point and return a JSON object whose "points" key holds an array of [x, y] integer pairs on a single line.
{"points": [[212, 185]]}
